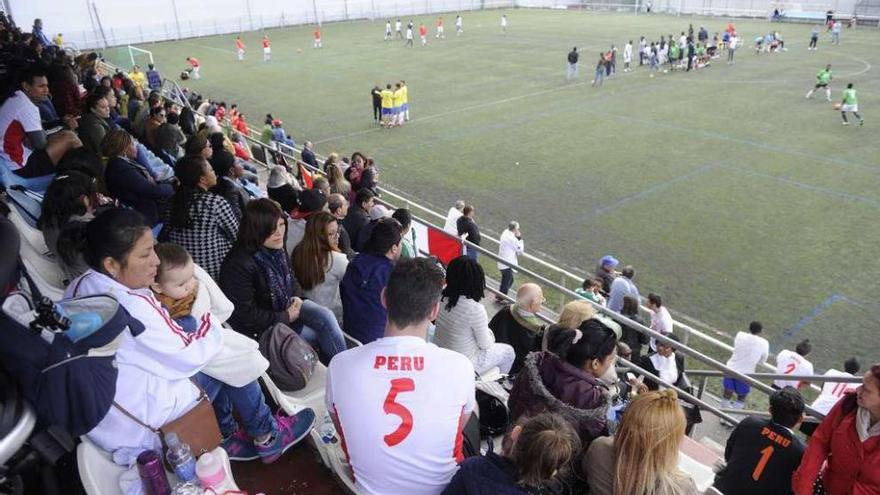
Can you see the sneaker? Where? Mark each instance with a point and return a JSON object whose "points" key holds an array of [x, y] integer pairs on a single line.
{"points": [[845, 123], [239, 447], [861, 122], [291, 429]]}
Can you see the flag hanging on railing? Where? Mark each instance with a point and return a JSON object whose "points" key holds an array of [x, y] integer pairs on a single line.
{"points": [[436, 242], [306, 176]]}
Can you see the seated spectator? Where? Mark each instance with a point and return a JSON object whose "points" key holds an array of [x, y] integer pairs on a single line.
{"points": [[129, 181], [240, 146], [566, 379], [536, 453], [833, 391], [228, 186], [151, 127], [199, 145], [620, 465], [318, 264], [139, 120], [633, 338], [518, 325], [311, 201], [794, 363], [338, 184], [68, 206], [199, 220], [661, 320], [849, 440], [159, 365], [591, 289], [621, 287], [605, 272], [364, 280], [94, 123], [573, 314], [338, 206], [358, 217], [169, 137], [283, 190], [65, 90], [666, 364], [31, 151], [333, 159], [463, 325], [257, 278], [772, 442], [408, 242], [430, 389]]}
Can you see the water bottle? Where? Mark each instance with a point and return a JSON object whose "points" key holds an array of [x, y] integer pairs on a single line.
{"points": [[328, 430], [212, 474], [152, 473], [180, 458], [81, 325]]}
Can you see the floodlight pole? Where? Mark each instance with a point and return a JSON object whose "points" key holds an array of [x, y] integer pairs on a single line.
{"points": [[250, 17], [176, 20]]}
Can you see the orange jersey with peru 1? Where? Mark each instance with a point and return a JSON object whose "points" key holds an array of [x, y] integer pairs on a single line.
{"points": [[401, 404]]}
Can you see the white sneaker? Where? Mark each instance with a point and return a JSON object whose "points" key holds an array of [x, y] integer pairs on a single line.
{"points": [[845, 123]]}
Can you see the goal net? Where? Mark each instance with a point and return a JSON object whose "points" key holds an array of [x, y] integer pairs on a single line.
{"points": [[139, 56]]}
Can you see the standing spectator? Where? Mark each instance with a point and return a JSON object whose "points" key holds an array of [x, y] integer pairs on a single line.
{"points": [[519, 325], [509, 247], [467, 226], [632, 337], [408, 235], [849, 440], [338, 184], [572, 64], [749, 350], [200, 221], [318, 264], [452, 217], [39, 35], [761, 454], [364, 313], [308, 156], [463, 325], [661, 320], [400, 375], [376, 96], [621, 287], [138, 77], [605, 272], [653, 423], [338, 206], [129, 181], [358, 217], [794, 363], [537, 453], [154, 79], [666, 365]]}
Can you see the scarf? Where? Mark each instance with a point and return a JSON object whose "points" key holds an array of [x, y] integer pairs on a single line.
{"points": [[279, 278]]}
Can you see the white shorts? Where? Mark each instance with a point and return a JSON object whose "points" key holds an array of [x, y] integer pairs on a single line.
{"points": [[267, 50], [241, 51], [439, 29], [849, 108]]}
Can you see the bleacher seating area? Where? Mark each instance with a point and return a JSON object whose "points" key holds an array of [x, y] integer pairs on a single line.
{"points": [[144, 146]]}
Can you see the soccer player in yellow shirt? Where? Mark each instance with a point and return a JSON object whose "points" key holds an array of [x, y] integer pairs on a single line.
{"points": [[398, 105], [387, 105], [405, 100]]}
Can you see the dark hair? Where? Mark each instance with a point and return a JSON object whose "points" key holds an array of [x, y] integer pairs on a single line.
{"points": [[362, 196], [804, 347], [172, 118], [630, 306], [113, 234], [188, 171], [403, 216], [756, 327], [671, 337], [171, 256], [628, 271], [413, 289], [93, 99], [547, 444], [655, 299], [852, 366], [467, 210], [156, 110], [597, 342], [786, 407], [386, 233], [216, 140], [257, 224], [464, 277], [335, 202], [222, 162], [195, 144], [31, 73], [63, 198]]}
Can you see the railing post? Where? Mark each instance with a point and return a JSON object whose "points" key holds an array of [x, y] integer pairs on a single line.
{"points": [[704, 381], [562, 295]]}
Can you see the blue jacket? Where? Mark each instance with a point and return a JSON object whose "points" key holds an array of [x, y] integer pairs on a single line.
{"points": [[362, 311], [489, 475]]}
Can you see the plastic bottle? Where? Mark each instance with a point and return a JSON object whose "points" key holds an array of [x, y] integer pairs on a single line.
{"points": [[152, 473], [180, 458], [81, 324], [328, 430], [212, 474]]}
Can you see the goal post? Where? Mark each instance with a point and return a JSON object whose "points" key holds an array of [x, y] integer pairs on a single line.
{"points": [[135, 54]]}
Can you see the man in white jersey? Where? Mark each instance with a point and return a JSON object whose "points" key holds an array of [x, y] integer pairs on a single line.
{"points": [[388, 30], [833, 392], [398, 28], [400, 403], [458, 26], [749, 350], [627, 55], [794, 363], [504, 23]]}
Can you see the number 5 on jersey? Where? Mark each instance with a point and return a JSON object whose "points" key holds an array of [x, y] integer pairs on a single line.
{"points": [[391, 406]]}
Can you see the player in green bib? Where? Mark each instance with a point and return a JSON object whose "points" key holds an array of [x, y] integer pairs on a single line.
{"points": [[823, 79], [673, 55], [850, 103]]}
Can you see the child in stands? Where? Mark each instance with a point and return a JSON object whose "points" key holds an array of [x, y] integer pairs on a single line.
{"points": [[176, 286]]}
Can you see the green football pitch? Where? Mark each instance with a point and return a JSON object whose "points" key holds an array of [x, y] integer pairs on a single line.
{"points": [[734, 197]]}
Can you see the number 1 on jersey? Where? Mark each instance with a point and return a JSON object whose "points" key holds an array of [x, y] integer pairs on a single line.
{"points": [[762, 463], [399, 385]]}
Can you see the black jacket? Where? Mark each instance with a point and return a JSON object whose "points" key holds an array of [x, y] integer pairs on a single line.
{"points": [[634, 338], [308, 157], [344, 242], [243, 282], [573, 57], [233, 193], [356, 220], [645, 363], [468, 226], [132, 184]]}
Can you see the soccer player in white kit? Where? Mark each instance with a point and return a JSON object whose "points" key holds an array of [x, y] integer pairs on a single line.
{"points": [[399, 403], [458, 26], [409, 35], [627, 55], [504, 23], [388, 35], [794, 363], [398, 26]]}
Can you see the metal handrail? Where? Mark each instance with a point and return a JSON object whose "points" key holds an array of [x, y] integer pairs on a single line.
{"points": [[777, 376]]}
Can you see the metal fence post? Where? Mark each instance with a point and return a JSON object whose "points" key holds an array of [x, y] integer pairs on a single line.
{"points": [[562, 295]]}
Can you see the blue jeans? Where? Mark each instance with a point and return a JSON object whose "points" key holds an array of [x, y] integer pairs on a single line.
{"points": [[248, 401], [472, 253], [599, 76], [506, 280], [320, 328], [572, 70]]}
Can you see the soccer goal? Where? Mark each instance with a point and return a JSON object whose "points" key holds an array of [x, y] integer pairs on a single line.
{"points": [[138, 56]]}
